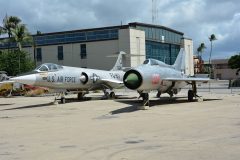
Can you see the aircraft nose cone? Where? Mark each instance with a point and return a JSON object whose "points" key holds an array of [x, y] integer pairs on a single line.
{"points": [[27, 79]]}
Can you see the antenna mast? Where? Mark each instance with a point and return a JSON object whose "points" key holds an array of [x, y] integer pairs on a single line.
{"points": [[154, 11]]}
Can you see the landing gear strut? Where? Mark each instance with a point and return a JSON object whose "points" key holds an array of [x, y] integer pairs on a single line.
{"points": [[62, 98], [80, 95], [158, 94], [193, 93], [190, 95], [145, 97]]}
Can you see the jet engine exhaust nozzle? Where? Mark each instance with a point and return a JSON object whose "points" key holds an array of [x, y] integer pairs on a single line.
{"points": [[132, 79], [84, 78]]}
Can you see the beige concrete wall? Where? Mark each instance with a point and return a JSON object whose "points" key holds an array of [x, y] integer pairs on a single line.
{"points": [[137, 47], [123, 45], [130, 41], [97, 53], [187, 44]]}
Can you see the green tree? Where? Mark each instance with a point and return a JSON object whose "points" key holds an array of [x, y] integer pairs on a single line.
{"points": [[20, 35], [200, 49], [17, 33], [234, 61], [211, 39], [9, 23], [12, 60]]}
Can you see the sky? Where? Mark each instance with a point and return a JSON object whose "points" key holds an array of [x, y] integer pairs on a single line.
{"points": [[197, 19]]}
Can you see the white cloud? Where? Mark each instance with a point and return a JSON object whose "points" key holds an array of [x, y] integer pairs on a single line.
{"points": [[198, 19]]}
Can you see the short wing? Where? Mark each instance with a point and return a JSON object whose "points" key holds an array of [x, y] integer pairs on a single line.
{"points": [[112, 81], [190, 79]]}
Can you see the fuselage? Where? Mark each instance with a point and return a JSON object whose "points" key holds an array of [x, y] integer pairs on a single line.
{"points": [[72, 78], [152, 77]]}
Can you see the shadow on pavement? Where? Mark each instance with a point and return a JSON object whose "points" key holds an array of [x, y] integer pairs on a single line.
{"points": [[134, 104], [29, 106], [7, 104]]}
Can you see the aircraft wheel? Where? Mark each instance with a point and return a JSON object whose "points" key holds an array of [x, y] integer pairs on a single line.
{"points": [[107, 95], [80, 96], [112, 95], [190, 95], [63, 100]]}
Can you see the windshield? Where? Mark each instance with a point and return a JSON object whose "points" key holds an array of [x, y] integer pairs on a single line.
{"points": [[46, 67], [151, 62], [146, 61]]}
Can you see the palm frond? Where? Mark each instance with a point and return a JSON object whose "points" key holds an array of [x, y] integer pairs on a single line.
{"points": [[212, 37], [21, 35]]}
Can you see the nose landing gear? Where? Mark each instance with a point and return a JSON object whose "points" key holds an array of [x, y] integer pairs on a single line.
{"points": [[145, 98]]}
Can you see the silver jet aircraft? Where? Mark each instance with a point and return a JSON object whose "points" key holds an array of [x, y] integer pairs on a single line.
{"points": [[157, 75], [81, 80]]}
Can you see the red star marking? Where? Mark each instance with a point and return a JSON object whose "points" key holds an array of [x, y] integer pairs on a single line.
{"points": [[155, 79]]}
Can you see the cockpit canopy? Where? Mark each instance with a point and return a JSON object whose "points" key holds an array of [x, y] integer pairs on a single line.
{"points": [[48, 67], [153, 62]]}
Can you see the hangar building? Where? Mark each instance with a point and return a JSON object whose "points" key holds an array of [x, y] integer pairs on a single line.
{"points": [[91, 48]]}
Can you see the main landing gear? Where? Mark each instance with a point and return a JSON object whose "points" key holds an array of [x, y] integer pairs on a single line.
{"points": [[81, 95], [62, 98], [108, 94], [193, 93]]}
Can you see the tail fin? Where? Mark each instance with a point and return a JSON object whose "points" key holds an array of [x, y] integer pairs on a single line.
{"points": [[118, 65], [3, 76], [180, 61]]}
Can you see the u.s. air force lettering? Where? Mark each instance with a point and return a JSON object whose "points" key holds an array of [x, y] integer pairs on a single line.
{"points": [[66, 79]]}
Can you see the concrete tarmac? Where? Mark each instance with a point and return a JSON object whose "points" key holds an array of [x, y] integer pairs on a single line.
{"points": [[33, 128]]}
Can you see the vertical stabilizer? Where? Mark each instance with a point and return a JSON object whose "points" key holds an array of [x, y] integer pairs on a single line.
{"points": [[119, 65], [180, 61]]}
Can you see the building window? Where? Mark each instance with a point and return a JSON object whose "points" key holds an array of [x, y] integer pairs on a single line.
{"points": [[83, 53], [39, 54], [60, 52]]}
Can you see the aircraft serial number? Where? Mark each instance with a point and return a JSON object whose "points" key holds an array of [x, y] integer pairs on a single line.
{"points": [[115, 75]]}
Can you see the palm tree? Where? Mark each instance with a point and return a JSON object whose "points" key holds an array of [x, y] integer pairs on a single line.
{"points": [[211, 38], [200, 49], [20, 35], [9, 23]]}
